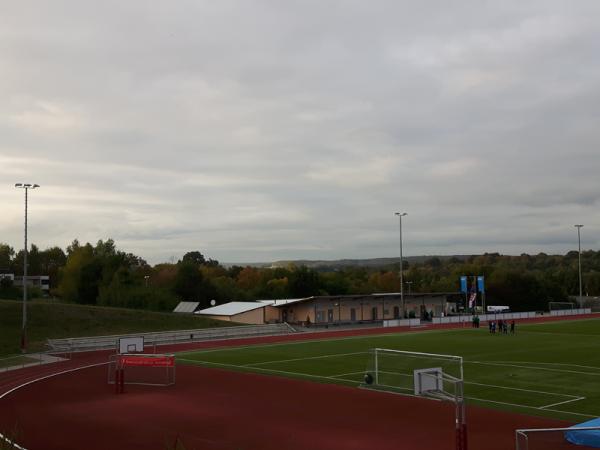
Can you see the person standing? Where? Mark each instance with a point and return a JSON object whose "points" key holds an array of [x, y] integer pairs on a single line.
{"points": [[512, 327]]}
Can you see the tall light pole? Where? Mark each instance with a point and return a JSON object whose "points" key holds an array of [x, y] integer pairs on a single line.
{"points": [[579, 242], [25, 186], [400, 215]]}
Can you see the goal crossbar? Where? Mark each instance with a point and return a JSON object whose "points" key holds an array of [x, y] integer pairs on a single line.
{"points": [[427, 375]]}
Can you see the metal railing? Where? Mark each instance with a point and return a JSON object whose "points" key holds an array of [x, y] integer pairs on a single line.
{"points": [[29, 360], [169, 337]]}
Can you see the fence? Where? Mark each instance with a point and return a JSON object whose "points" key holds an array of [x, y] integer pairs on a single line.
{"points": [[170, 337], [402, 323], [30, 359], [509, 316], [570, 312]]}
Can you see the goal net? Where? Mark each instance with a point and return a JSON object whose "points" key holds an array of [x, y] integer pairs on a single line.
{"points": [[560, 306], [427, 375], [412, 372], [142, 368]]}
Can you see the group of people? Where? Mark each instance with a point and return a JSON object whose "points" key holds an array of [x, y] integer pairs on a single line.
{"points": [[502, 325]]}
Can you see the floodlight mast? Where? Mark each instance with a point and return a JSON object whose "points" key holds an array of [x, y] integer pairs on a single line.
{"points": [[25, 186], [400, 215], [580, 283]]}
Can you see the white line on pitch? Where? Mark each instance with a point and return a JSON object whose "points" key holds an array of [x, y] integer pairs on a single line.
{"points": [[522, 389], [487, 363], [275, 361], [562, 403], [544, 363]]}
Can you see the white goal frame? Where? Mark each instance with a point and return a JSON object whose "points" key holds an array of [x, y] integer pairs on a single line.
{"points": [[147, 369], [571, 306], [523, 441], [429, 381]]}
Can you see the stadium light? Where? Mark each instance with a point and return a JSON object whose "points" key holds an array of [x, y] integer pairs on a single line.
{"points": [[579, 242], [25, 186], [400, 215]]}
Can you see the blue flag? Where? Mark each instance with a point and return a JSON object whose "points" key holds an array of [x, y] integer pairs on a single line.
{"points": [[481, 284], [463, 284]]}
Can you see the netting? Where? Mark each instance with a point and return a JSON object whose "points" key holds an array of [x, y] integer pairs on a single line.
{"points": [[394, 370], [559, 306], [421, 374], [143, 369], [557, 438]]}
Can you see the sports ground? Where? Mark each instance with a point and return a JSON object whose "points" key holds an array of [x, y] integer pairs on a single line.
{"points": [[265, 394]]}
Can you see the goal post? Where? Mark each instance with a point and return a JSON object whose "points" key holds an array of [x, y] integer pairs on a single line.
{"points": [[149, 369], [394, 370], [428, 375], [545, 438], [560, 306]]}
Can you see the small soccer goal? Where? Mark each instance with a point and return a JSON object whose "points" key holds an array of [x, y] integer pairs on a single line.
{"points": [[560, 306], [149, 369], [555, 438], [418, 374]]}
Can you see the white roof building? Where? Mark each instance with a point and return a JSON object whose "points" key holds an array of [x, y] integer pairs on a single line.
{"points": [[186, 307], [243, 312]]}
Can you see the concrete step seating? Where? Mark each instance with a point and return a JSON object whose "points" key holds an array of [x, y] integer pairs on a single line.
{"points": [[169, 337]]}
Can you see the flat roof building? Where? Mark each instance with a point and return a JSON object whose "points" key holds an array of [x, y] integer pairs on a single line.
{"points": [[336, 309]]}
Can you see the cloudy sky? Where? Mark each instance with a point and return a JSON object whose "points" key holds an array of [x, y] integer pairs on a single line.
{"points": [[257, 130]]}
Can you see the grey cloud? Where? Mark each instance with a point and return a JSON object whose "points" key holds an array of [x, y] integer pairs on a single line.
{"points": [[258, 130]]}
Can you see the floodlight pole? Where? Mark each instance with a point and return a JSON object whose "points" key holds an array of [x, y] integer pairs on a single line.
{"points": [[401, 275], [580, 282], [25, 186]]}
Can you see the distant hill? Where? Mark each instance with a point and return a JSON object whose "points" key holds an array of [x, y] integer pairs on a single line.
{"points": [[345, 263]]}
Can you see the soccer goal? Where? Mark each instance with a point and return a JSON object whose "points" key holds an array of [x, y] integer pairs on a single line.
{"points": [[148, 369], [560, 306], [555, 438], [418, 374]]}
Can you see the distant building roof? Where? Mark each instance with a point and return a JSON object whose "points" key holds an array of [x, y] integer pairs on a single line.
{"points": [[186, 307], [233, 308], [283, 301]]}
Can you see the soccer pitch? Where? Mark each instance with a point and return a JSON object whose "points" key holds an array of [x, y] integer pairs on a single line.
{"points": [[548, 369]]}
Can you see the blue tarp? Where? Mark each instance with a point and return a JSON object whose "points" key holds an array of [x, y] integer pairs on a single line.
{"points": [[591, 438]]}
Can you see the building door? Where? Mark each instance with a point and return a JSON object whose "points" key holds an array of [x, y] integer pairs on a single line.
{"points": [[284, 315], [396, 312], [374, 313], [330, 315], [352, 314]]}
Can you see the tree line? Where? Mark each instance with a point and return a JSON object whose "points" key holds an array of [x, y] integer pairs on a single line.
{"points": [[101, 274]]}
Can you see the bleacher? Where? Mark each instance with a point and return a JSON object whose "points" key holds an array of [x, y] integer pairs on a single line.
{"points": [[169, 337]]}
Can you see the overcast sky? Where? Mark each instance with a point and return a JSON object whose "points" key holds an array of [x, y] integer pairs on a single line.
{"points": [[278, 129]]}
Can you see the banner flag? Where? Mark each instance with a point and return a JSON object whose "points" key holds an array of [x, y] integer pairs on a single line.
{"points": [[481, 283], [463, 284], [145, 361], [472, 299]]}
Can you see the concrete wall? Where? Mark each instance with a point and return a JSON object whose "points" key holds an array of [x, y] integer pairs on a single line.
{"points": [[256, 316]]}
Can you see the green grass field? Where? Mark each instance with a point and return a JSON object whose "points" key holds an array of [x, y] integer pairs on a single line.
{"points": [[548, 369], [48, 319]]}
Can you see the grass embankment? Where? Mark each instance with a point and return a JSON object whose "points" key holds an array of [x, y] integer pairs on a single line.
{"points": [[52, 320]]}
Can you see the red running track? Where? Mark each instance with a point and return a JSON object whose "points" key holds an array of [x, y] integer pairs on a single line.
{"points": [[223, 410], [215, 409]]}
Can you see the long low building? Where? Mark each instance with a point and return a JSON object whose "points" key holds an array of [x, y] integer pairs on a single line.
{"points": [[331, 309]]}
